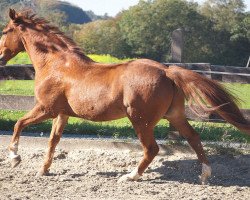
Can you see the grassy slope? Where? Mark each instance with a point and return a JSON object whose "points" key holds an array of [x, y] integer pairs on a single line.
{"points": [[19, 87], [242, 91], [23, 58], [123, 128]]}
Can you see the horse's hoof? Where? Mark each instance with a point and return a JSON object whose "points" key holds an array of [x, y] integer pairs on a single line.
{"points": [[124, 178], [206, 173], [129, 177], [203, 180], [42, 173], [15, 161]]}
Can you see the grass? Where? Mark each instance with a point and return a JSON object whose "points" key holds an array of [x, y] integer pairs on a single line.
{"points": [[17, 87], [123, 128], [26, 87], [107, 58], [242, 91], [23, 58]]}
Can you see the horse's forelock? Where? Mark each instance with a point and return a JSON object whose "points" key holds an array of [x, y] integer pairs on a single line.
{"points": [[28, 16]]}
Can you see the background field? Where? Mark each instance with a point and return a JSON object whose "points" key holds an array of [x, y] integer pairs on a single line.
{"points": [[26, 87], [122, 128], [23, 58]]}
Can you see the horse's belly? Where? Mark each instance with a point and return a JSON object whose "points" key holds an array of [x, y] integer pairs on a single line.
{"points": [[101, 111]]}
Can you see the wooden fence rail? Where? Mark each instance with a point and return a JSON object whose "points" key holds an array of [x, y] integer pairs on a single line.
{"points": [[220, 73]]}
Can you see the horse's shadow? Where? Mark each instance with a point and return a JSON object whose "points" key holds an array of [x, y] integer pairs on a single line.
{"points": [[226, 171]]}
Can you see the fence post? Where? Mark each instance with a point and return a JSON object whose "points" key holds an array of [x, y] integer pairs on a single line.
{"points": [[177, 46], [248, 62], [176, 57]]}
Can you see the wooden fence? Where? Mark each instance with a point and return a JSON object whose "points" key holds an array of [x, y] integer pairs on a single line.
{"points": [[220, 73]]}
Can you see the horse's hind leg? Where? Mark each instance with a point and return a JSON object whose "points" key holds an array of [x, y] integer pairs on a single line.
{"points": [[36, 115], [55, 135], [193, 138], [150, 149]]}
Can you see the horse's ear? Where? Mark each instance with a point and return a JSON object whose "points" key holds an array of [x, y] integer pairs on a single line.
{"points": [[12, 14]]}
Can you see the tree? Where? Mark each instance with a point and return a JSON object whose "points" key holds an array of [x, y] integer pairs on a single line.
{"points": [[101, 37], [147, 28], [224, 13], [231, 41]]}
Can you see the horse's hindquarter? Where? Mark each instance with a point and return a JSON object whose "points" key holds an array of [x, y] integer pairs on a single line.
{"points": [[147, 88]]}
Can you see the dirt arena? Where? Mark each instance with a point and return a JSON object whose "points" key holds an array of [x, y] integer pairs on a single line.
{"points": [[85, 169]]}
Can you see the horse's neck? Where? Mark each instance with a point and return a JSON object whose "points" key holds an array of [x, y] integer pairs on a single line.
{"points": [[39, 47], [31, 44]]}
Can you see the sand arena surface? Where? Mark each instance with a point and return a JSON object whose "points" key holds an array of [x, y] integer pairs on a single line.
{"points": [[90, 172]]}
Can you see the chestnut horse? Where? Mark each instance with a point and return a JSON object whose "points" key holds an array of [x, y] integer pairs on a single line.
{"points": [[68, 83]]}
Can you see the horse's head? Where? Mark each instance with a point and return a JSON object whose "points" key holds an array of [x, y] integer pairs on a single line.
{"points": [[11, 42]]}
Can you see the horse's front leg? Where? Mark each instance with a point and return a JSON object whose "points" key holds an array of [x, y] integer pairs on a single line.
{"points": [[55, 135], [36, 115]]}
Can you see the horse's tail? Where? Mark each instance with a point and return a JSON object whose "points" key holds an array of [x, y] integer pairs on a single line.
{"points": [[208, 96]]}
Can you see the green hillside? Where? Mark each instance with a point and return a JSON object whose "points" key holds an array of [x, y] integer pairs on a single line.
{"points": [[57, 11]]}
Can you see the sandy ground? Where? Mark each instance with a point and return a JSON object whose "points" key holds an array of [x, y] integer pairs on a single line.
{"points": [[92, 173]]}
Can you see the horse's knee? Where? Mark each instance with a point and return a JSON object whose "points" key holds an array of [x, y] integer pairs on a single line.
{"points": [[19, 125]]}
